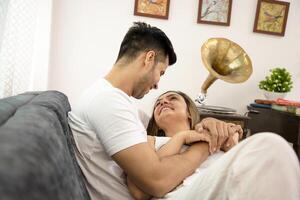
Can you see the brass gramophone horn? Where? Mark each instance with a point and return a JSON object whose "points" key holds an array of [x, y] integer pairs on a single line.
{"points": [[224, 60]]}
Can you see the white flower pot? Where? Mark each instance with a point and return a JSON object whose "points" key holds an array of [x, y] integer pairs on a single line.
{"points": [[274, 95]]}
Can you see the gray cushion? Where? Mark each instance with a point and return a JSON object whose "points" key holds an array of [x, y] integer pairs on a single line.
{"points": [[36, 149]]}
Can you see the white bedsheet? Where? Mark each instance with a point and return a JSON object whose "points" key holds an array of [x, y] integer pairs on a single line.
{"points": [[189, 180]]}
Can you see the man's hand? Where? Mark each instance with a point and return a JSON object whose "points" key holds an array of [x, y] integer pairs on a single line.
{"points": [[136, 192], [218, 131], [235, 134]]}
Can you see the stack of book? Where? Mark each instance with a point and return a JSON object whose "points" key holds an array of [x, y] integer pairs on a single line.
{"points": [[279, 104]]}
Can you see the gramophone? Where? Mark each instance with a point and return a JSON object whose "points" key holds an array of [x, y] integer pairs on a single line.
{"points": [[224, 60]]}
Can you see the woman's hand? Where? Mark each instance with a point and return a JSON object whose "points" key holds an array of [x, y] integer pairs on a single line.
{"points": [[193, 136]]}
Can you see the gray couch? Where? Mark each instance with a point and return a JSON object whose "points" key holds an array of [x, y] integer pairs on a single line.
{"points": [[37, 159]]}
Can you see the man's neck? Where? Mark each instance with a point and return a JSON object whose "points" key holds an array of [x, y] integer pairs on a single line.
{"points": [[122, 78]]}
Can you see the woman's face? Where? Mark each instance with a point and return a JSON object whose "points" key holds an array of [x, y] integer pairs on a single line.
{"points": [[170, 108]]}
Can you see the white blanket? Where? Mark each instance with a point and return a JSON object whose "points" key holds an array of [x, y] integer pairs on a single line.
{"points": [[160, 141]]}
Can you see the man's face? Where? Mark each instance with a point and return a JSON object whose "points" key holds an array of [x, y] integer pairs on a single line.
{"points": [[150, 79]]}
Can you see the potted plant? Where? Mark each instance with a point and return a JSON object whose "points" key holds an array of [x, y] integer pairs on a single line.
{"points": [[277, 84]]}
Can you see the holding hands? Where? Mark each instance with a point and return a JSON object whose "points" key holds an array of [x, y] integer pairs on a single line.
{"points": [[219, 134]]}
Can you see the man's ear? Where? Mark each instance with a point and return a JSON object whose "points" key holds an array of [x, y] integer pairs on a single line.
{"points": [[150, 58]]}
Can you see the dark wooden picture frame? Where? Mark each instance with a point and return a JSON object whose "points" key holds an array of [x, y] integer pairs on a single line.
{"points": [[271, 17], [216, 12], [152, 8]]}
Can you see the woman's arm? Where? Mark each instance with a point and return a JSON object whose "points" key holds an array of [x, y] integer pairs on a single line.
{"points": [[174, 145]]}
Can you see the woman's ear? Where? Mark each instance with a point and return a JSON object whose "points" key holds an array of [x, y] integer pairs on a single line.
{"points": [[190, 119], [188, 114]]}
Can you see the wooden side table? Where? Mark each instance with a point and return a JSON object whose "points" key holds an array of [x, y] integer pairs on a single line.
{"points": [[282, 123]]}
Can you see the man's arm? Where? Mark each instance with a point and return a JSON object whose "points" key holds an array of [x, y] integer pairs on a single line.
{"points": [[157, 176], [172, 147], [136, 192], [218, 131]]}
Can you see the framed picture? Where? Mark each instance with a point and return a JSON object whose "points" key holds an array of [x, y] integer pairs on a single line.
{"points": [[271, 17], [152, 8], [216, 12]]}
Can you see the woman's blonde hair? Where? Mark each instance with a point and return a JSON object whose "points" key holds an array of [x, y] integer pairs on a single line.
{"points": [[154, 130]]}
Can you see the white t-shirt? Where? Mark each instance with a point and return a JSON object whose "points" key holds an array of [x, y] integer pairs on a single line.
{"points": [[104, 122]]}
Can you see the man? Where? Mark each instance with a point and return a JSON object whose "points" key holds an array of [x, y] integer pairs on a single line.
{"points": [[109, 137], [106, 126]]}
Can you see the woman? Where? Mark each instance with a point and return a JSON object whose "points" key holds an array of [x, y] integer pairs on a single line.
{"points": [[262, 166], [186, 118], [175, 116]]}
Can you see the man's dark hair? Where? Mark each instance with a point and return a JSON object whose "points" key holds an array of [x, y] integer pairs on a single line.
{"points": [[142, 37]]}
